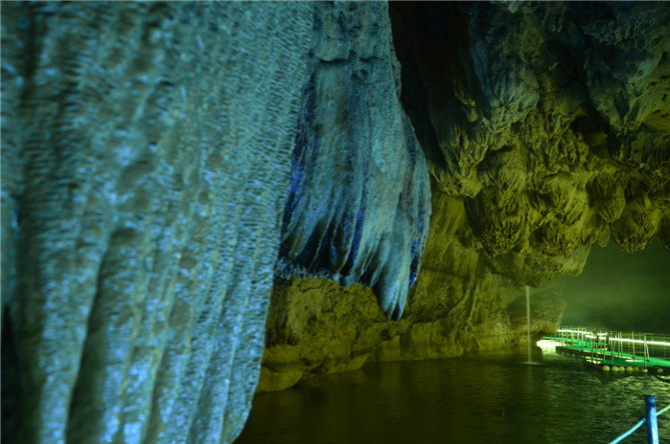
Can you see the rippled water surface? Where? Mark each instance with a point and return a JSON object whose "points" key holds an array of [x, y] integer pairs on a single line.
{"points": [[485, 398]]}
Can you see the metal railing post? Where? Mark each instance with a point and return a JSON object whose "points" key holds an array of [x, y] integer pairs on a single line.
{"points": [[646, 350], [652, 424]]}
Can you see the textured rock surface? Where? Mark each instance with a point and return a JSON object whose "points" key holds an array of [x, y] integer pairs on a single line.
{"points": [[358, 207], [546, 127], [316, 326], [359, 203], [552, 119], [146, 154], [161, 161], [459, 303], [147, 160]]}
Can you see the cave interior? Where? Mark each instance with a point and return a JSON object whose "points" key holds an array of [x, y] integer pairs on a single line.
{"points": [[204, 202]]}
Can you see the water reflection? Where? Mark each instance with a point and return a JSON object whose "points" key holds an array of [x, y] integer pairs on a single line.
{"points": [[485, 398]]}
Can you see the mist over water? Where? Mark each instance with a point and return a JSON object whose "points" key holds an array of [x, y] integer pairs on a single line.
{"points": [[621, 291], [486, 398]]}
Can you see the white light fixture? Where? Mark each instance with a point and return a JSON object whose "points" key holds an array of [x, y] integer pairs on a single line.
{"points": [[638, 341]]}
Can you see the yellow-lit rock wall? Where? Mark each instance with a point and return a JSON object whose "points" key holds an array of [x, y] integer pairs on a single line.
{"points": [[458, 304]]}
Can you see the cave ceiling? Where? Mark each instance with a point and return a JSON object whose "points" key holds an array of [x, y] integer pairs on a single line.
{"points": [[551, 120]]}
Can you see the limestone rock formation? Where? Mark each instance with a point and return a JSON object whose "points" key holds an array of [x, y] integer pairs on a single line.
{"points": [[546, 127], [162, 163], [359, 201], [155, 158], [146, 153], [552, 119], [316, 326], [459, 303]]}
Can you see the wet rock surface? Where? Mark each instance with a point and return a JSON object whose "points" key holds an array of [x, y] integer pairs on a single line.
{"points": [[163, 164]]}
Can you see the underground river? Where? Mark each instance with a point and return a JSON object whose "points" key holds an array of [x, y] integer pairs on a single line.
{"points": [[479, 398]]}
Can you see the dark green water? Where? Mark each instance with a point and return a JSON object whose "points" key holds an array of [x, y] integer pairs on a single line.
{"points": [[489, 398]]}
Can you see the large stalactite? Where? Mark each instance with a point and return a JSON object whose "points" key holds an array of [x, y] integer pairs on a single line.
{"points": [[164, 165], [359, 199]]}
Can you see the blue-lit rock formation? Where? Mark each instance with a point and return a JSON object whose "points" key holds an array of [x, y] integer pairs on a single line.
{"points": [[163, 163], [359, 203], [146, 155], [155, 157]]}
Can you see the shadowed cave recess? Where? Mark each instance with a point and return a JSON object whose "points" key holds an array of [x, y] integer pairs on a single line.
{"points": [[204, 201]]}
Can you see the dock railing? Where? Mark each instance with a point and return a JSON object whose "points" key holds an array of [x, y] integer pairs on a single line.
{"points": [[641, 346], [649, 419], [652, 349]]}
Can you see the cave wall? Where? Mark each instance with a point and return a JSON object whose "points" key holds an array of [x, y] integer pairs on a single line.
{"points": [[459, 303], [545, 127], [359, 199], [552, 120], [146, 156], [163, 162]]}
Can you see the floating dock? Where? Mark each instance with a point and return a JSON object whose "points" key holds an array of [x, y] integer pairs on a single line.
{"points": [[616, 351]]}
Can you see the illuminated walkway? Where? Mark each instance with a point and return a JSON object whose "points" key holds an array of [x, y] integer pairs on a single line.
{"points": [[616, 350]]}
